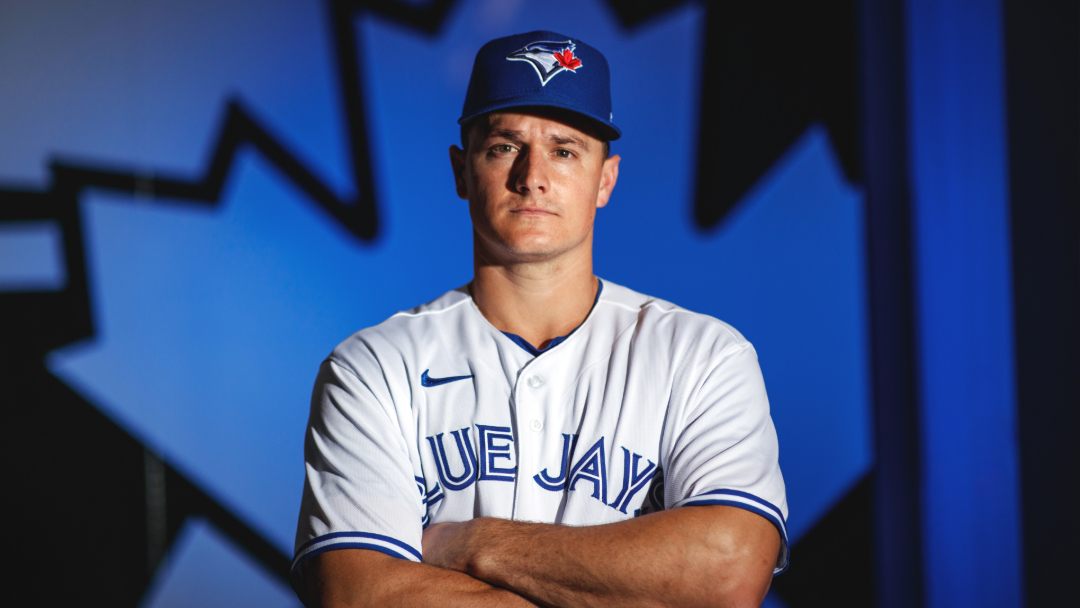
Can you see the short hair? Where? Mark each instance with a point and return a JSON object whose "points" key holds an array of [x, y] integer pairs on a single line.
{"points": [[467, 127]]}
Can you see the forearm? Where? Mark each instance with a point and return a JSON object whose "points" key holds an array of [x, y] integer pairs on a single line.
{"points": [[358, 577], [692, 556]]}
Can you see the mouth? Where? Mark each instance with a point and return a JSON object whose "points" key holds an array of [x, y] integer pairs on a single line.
{"points": [[532, 211]]}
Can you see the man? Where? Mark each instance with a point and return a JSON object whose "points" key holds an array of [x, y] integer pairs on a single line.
{"points": [[540, 436]]}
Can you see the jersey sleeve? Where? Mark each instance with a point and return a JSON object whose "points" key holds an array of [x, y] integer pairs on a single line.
{"points": [[359, 488], [726, 452]]}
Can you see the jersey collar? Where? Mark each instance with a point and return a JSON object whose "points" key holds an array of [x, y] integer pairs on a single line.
{"points": [[536, 352]]}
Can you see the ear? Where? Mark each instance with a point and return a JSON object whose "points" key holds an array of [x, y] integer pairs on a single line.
{"points": [[609, 174], [457, 163]]}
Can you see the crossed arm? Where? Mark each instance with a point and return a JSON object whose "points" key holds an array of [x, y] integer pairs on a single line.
{"points": [[689, 556]]}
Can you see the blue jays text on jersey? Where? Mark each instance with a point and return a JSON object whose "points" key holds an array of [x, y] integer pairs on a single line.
{"points": [[496, 442], [436, 416]]}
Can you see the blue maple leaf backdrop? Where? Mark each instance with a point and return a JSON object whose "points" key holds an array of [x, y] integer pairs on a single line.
{"points": [[210, 322]]}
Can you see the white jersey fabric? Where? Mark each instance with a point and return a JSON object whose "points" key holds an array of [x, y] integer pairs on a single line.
{"points": [[436, 416]]}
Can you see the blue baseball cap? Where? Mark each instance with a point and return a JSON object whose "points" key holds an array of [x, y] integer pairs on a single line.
{"points": [[541, 69]]}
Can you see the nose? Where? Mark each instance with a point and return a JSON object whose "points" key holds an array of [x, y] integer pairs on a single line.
{"points": [[530, 175]]}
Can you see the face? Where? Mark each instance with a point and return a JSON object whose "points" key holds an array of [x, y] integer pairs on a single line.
{"points": [[533, 183]]}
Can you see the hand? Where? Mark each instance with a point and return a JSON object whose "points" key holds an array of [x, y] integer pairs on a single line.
{"points": [[447, 545]]}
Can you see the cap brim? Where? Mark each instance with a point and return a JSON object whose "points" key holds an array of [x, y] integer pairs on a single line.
{"points": [[606, 127]]}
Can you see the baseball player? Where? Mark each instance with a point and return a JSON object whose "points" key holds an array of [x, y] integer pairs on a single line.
{"points": [[540, 436]]}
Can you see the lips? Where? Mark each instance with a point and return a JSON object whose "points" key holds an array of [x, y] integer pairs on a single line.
{"points": [[533, 210], [527, 211]]}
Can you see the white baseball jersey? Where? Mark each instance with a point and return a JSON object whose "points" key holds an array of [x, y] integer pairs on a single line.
{"points": [[436, 416]]}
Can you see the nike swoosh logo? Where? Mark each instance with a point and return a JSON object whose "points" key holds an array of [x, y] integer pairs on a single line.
{"points": [[427, 380]]}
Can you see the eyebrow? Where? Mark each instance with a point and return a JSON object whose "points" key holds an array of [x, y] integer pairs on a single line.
{"points": [[504, 134], [570, 139], [561, 139]]}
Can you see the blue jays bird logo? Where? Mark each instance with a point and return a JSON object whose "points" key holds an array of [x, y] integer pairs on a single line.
{"points": [[548, 58]]}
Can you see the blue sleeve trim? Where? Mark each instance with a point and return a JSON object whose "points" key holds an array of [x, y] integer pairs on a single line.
{"points": [[372, 535], [357, 535], [746, 495]]}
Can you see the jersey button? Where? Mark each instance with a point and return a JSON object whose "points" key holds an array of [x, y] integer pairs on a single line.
{"points": [[536, 426], [535, 381]]}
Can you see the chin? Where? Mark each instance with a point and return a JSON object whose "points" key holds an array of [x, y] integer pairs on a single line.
{"points": [[531, 254], [530, 242], [526, 244]]}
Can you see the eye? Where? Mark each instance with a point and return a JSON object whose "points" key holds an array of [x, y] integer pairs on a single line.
{"points": [[563, 153], [502, 148]]}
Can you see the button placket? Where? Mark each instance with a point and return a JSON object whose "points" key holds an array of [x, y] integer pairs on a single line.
{"points": [[532, 392]]}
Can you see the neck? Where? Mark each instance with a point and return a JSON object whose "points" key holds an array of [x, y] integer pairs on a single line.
{"points": [[538, 301]]}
